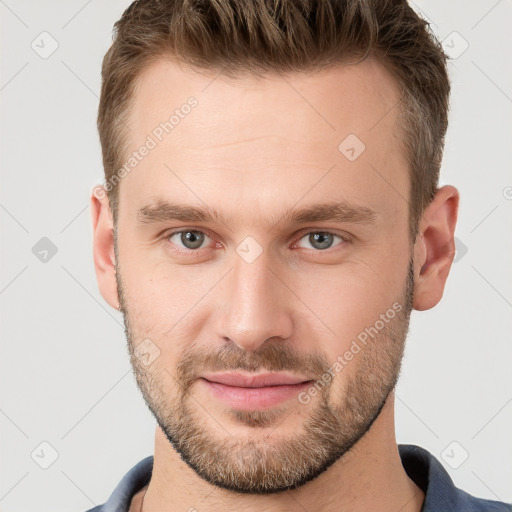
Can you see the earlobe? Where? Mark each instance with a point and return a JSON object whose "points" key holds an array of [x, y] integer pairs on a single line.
{"points": [[103, 246], [434, 248]]}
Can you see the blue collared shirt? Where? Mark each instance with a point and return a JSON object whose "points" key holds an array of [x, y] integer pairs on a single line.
{"points": [[422, 467]]}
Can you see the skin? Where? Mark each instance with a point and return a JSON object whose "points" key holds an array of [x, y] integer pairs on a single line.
{"points": [[253, 150]]}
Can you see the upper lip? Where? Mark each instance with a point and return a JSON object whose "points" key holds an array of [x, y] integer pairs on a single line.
{"points": [[255, 381]]}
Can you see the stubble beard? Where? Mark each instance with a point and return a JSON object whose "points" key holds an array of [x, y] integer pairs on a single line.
{"points": [[271, 463]]}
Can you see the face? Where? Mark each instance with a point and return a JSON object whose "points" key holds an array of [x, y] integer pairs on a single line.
{"points": [[255, 237]]}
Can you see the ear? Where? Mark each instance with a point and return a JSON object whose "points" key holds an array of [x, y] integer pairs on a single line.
{"points": [[434, 248], [103, 246]]}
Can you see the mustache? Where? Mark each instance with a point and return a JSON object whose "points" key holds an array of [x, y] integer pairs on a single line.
{"points": [[271, 357]]}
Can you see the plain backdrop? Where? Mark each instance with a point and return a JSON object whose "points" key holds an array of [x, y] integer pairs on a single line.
{"points": [[72, 419]]}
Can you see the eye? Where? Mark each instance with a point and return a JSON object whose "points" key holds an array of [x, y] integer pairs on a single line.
{"points": [[190, 239], [194, 239], [320, 240]]}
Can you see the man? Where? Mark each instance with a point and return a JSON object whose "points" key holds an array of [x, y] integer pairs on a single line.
{"points": [[270, 217]]}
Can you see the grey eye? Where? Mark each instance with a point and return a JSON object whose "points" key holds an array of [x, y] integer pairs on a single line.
{"points": [[189, 239], [320, 240]]}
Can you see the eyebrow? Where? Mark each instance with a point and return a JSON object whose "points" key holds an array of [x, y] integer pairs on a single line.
{"points": [[164, 211]]}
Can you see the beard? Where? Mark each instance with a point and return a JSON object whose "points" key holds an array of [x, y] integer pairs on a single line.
{"points": [[336, 421]]}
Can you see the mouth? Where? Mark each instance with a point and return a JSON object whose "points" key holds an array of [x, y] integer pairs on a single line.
{"points": [[241, 380], [251, 392]]}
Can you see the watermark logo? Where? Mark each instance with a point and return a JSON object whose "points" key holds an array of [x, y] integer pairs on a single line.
{"points": [[44, 250], [249, 249], [44, 455], [454, 45], [455, 455], [146, 352], [461, 250], [44, 45], [351, 147]]}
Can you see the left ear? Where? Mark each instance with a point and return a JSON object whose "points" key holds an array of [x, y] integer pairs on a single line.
{"points": [[434, 248]]}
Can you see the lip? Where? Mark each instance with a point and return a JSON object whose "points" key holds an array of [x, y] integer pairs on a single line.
{"points": [[241, 380], [251, 392]]}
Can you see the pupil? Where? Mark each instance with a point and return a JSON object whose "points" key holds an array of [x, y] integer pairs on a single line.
{"points": [[322, 240], [191, 239]]}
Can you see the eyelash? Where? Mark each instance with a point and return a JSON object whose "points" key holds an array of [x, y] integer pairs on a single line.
{"points": [[345, 239]]}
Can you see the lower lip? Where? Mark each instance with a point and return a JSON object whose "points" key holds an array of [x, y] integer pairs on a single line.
{"points": [[255, 398]]}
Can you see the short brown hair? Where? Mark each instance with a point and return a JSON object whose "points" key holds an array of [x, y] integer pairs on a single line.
{"points": [[264, 36]]}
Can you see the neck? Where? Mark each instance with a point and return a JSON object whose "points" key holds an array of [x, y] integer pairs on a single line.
{"points": [[369, 477]]}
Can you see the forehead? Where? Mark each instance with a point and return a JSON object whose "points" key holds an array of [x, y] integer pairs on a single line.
{"points": [[331, 100], [280, 131]]}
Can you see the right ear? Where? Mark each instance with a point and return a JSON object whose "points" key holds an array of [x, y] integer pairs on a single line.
{"points": [[103, 246]]}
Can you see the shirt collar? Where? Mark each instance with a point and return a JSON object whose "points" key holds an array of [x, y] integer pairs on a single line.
{"points": [[420, 465]]}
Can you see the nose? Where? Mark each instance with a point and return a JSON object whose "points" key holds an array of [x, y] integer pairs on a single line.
{"points": [[254, 305]]}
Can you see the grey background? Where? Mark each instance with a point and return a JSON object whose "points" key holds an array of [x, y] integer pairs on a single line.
{"points": [[65, 373]]}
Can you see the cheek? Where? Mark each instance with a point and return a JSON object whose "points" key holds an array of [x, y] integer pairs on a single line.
{"points": [[159, 295], [167, 306], [343, 302]]}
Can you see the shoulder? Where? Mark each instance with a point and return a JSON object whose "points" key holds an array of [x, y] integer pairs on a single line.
{"points": [[132, 482], [470, 503], [440, 491]]}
